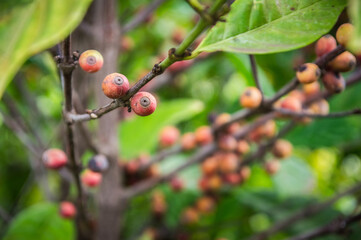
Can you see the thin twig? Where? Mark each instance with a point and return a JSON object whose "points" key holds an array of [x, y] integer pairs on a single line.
{"points": [[66, 68], [289, 113], [306, 212], [142, 16], [178, 54], [337, 226], [254, 72], [161, 156]]}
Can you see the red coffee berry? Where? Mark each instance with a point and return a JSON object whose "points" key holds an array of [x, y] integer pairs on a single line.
{"points": [[344, 62], [210, 165], [292, 104], [242, 147], [320, 107], [54, 158], [282, 148], [251, 98], [308, 73], [325, 45], [205, 204], [188, 141], [311, 88], [204, 135], [227, 143], [334, 82], [168, 136], [90, 178], [67, 210], [245, 173], [176, 184], [272, 166], [91, 61], [143, 103], [228, 162], [190, 216], [115, 85]]}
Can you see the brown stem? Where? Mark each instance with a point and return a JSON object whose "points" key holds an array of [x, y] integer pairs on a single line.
{"points": [[66, 68], [337, 226]]}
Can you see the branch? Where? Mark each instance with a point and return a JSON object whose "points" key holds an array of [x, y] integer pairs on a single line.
{"points": [[142, 16], [161, 156], [141, 187], [305, 213], [254, 72], [200, 9], [66, 69], [321, 63], [337, 226], [212, 147], [312, 115], [178, 54]]}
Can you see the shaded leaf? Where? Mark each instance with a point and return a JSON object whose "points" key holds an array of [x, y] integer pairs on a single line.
{"points": [[31, 27], [41, 222]]}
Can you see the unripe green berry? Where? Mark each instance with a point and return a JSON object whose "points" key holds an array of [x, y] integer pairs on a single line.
{"points": [[344, 33]]}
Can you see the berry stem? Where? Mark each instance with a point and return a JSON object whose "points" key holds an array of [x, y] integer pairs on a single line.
{"points": [[255, 74]]}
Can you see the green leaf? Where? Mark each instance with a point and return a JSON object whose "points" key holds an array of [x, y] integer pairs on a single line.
{"points": [[41, 222], [354, 10], [140, 134], [260, 27], [32, 27], [294, 178]]}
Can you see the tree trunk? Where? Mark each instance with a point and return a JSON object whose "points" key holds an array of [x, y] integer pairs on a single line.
{"points": [[100, 30]]}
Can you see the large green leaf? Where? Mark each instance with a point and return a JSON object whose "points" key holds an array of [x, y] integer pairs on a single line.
{"points": [[31, 27], [354, 13], [41, 222], [140, 134], [272, 26]]}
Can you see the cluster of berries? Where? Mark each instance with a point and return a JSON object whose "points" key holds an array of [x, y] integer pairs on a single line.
{"points": [[91, 177], [116, 85], [308, 75]]}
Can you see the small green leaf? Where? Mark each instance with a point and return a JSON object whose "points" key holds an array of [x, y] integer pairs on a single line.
{"points": [[41, 222], [260, 27], [140, 134], [33, 26]]}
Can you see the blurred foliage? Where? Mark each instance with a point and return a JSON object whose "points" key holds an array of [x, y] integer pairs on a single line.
{"points": [[326, 158]]}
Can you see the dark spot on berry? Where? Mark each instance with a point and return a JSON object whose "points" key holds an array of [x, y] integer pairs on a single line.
{"points": [[248, 93], [302, 68], [91, 60]]}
